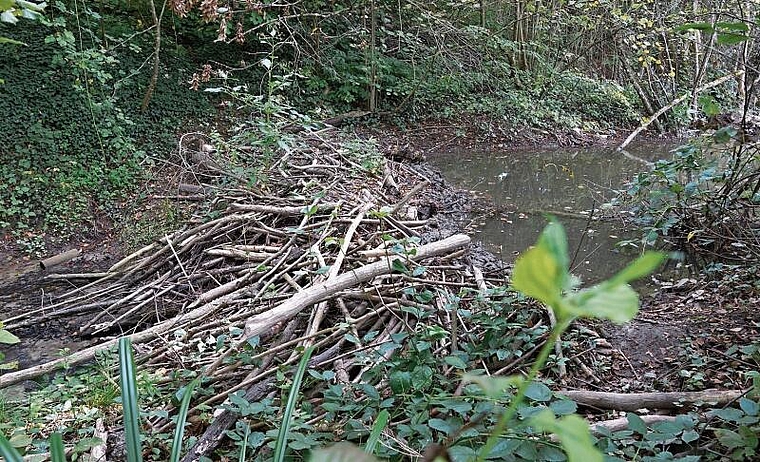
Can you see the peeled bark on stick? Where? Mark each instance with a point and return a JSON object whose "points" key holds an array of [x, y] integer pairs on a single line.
{"points": [[674, 103], [259, 324], [59, 259], [256, 324], [635, 401]]}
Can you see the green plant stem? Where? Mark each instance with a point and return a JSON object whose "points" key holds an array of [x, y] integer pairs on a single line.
{"points": [[543, 355]]}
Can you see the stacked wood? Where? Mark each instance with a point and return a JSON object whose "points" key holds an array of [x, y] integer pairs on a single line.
{"points": [[322, 254]]}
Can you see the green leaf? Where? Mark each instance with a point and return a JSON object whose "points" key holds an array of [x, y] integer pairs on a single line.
{"points": [[400, 382], [733, 26], [572, 432], [377, 429], [8, 338], [8, 452], [563, 407], [399, 266], [729, 39], [179, 431], [554, 239], [494, 386], [749, 407], [283, 433], [701, 26], [129, 400], [636, 424], [537, 391], [341, 452], [618, 304], [729, 439], [57, 452], [689, 435], [639, 268], [455, 361], [536, 274]]}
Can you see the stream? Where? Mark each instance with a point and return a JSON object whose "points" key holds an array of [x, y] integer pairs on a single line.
{"points": [[526, 184]]}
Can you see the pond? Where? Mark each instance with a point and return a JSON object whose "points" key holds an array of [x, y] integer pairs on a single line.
{"points": [[570, 183]]}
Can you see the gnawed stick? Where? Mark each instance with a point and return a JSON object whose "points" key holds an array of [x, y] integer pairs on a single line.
{"points": [[260, 323], [665, 400]]}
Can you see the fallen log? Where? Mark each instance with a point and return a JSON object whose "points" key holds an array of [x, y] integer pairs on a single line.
{"points": [[615, 425], [259, 324], [635, 401]]}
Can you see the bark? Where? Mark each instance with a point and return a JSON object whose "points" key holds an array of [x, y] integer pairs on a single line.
{"points": [[259, 324], [635, 401]]}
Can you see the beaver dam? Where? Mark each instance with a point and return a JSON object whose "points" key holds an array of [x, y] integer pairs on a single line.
{"points": [[332, 247]]}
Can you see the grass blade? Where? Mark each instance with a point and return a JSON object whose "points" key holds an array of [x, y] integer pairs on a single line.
{"points": [[57, 453], [179, 432], [282, 436], [377, 430], [244, 447], [129, 400], [8, 452]]}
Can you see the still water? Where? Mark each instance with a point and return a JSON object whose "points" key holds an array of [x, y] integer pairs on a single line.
{"points": [[526, 184]]}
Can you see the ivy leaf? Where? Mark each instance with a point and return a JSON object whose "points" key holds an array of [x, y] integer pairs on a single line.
{"points": [[572, 432]]}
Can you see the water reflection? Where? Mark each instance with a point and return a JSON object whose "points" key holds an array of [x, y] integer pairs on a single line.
{"points": [[526, 184]]}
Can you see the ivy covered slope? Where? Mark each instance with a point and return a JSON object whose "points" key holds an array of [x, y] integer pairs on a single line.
{"points": [[75, 139]]}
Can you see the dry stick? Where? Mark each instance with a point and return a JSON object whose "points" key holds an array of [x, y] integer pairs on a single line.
{"points": [[673, 103], [314, 294], [557, 345], [285, 211], [635, 401], [408, 196], [60, 258], [57, 276], [319, 313]]}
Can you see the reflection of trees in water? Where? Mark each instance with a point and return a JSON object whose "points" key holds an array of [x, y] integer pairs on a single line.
{"points": [[550, 180]]}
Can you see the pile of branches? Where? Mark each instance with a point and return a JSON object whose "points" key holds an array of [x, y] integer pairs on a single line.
{"points": [[323, 252]]}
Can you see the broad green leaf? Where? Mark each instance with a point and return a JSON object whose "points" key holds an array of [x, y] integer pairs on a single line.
{"points": [[689, 435], [6, 4], [729, 439], [639, 268], [636, 423], [455, 361], [399, 266], [400, 382], [554, 239], [341, 452], [729, 38], [618, 303], [749, 406], [537, 391], [537, 275], [8, 338], [563, 407], [572, 432], [701, 26], [494, 386], [733, 26]]}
